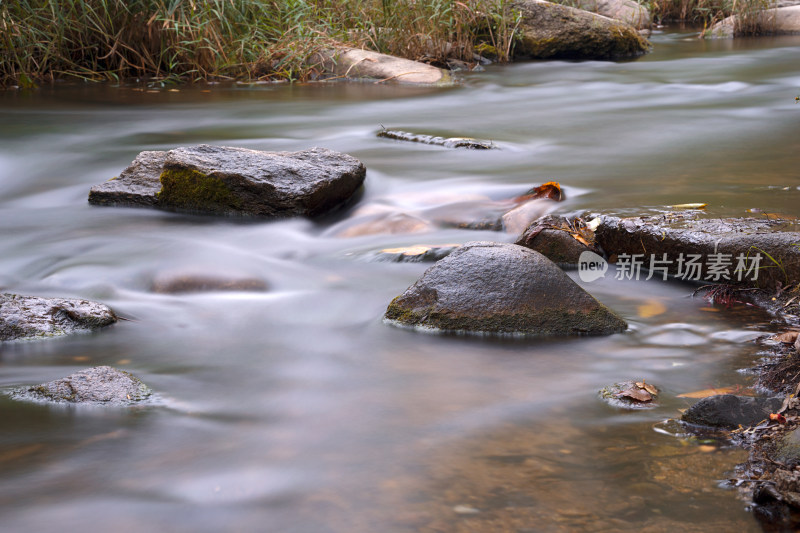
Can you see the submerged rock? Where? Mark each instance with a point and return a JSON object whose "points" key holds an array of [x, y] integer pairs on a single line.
{"points": [[347, 62], [550, 30], [739, 251], [27, 317], [730, 411], [451, 142], [102, 384], [494, 288], [189, 282], [236, 181], [778, 21]]}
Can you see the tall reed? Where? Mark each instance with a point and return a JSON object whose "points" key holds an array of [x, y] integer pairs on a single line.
{"points": [[41, 40]]}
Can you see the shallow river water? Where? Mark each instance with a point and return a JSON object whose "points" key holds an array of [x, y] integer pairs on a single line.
{"points": [[297, 409]]}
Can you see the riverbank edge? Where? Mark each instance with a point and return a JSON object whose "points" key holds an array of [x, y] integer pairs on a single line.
{"points": [[761, 479]]}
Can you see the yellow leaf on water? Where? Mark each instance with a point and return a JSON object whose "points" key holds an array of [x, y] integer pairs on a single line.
{"points": [[408, 250], [705, 393], [710, 309], [651, 308], [689, 206]]}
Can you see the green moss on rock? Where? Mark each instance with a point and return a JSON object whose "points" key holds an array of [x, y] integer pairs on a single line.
{"points": [[195, 191]]}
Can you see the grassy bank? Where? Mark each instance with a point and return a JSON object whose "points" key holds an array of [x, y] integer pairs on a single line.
{"points": [[41, 40]]}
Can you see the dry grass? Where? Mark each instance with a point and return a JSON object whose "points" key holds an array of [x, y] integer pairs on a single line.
{"points": [[41, 40]]}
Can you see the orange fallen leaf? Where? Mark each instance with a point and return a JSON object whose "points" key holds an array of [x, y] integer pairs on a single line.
{"points": [[705, 393], [651, 308], [550, 190], [777, 417]]}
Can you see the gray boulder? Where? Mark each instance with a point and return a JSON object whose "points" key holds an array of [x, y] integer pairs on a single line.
{"points": [[738, 251], [102, 384], [550, 30], [627, 11], [344, 62], [487, 287], [778, 21], [26, 317], [236, 181], [730, 411]]}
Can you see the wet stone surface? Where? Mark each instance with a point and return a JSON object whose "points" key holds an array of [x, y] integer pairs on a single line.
{"points": [[29, 317], [229, 181], [98, 385], [493, 288]]}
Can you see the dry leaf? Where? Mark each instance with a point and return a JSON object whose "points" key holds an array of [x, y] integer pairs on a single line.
{"points": [[635, 393], [580, 239], [593, 224], [705, 393], [651, 389], [787, 338], [777, 417], [409, 250], [651, 308], [550, 190]]}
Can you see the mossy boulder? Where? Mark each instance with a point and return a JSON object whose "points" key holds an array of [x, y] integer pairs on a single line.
{"points": [[730, 411], [29, 317], [495, 288], [236, 181], [552, 31], [98, 385], [737, 251]]}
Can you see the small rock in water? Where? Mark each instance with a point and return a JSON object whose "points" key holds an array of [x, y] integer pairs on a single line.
{"points": [[451, 142], [465, 509], [98, 385], [631, 394], [27, 317]]}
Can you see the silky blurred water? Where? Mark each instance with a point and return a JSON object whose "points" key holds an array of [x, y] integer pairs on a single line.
{"points": [[297, 409]]}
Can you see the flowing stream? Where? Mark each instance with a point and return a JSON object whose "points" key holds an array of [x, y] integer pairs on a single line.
{"points": [[297, 409]]}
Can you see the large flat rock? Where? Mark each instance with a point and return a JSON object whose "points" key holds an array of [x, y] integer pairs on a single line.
{"points": [[494, 288], [236, 181], [550, 31], [738, 251], [29, 317]]}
